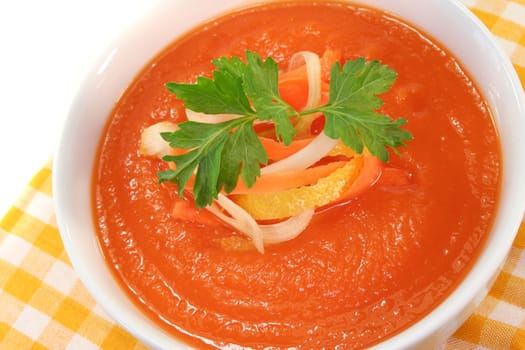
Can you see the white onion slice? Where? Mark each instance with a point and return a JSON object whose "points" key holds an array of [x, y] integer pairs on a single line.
{"points": [[152, 144], [209, 118], [288, 229], [309, 155], [313, 71], [260, 234], [216, 118], [240, 219]]}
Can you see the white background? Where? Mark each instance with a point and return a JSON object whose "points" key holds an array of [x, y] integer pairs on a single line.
{"points": [[46, 47]]}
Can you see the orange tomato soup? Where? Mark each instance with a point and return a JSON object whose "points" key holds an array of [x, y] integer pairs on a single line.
{"points": [[361, 272]]}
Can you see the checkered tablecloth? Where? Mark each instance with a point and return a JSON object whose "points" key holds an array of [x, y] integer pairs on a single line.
{"points": [[43, 304]]}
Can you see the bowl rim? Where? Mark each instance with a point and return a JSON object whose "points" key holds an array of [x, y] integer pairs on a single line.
{"points": [[466, 295]]}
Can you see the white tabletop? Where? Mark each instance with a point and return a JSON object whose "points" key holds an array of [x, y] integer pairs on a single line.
{"points": [[46, 47]]}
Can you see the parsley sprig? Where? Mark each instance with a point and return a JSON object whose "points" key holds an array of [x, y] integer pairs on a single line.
{"points": [[221, 153]]}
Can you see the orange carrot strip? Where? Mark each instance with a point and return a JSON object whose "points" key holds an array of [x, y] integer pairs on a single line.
{"points": [[294, 91], [298, 73], [277, 150], [293, 84], [368, 176], [275, 182]]}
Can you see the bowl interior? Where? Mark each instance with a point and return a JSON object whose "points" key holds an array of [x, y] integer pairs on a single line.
{"points": [[447, 21]]}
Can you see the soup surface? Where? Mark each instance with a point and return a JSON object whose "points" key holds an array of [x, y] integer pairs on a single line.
{"points": [[360, 272]]}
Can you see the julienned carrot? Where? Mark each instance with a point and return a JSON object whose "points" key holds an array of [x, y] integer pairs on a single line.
{"points": [[294, 91], [368, 176], [277, 150], [275, 182]]}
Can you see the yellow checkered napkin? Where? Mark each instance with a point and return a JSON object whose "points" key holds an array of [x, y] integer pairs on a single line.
{"points": [[43, 304]]}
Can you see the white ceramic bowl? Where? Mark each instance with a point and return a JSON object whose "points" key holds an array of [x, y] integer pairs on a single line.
{"points": [[446, 20]]}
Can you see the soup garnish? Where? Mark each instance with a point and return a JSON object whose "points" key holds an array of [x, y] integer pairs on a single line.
{"points": [[243, 122], [251, 91]]}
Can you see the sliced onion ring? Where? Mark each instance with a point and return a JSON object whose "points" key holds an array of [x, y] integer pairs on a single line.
{"points": [[313, 71], [239, 219], [209, 118], [288, 229], [260, 234], [152, 144], [216, 118], [309, 155]]}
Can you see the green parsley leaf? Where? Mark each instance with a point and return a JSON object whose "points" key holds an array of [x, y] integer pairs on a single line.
{"points": [[243, 153], [261, 83], [233, 65], [222, 94], [220, 154], [205, 143], [350, 111]]}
